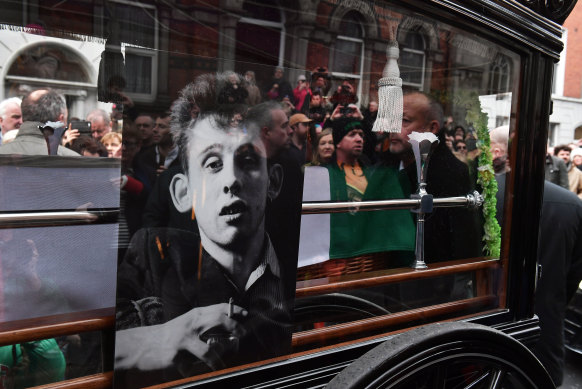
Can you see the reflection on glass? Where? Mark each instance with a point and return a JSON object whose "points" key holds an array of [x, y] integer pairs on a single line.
{"points": [[322, 64]]}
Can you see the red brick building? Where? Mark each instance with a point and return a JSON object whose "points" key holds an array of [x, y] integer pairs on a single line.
{"points": [[566, 120], [166, 44]]}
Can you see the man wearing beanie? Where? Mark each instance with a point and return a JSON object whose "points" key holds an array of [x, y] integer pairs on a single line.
{"points": [[348, 138], [352, 179], [300, 148]]}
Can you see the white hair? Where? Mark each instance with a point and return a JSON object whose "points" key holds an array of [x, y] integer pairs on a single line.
{"points": [[5, 103]]}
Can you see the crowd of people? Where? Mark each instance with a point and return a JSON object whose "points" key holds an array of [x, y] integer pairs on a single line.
{"points": [[220, 174]]}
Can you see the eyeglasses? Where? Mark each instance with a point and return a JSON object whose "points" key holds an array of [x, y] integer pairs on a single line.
{"points": [[462, 147]]}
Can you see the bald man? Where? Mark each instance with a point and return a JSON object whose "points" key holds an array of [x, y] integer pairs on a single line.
{"points": [[38, 108]]}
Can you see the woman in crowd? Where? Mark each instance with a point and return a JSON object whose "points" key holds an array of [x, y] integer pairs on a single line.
{"points": [[88, 147], [324, 149], [459, 133], [112, 142]]}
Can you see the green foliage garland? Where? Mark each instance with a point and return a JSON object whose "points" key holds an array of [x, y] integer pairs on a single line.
{"points": [[486, 178]]}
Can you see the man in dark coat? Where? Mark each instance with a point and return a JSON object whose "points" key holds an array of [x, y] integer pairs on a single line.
{"points": [[279, 87], [450, 233], [560, 254]]}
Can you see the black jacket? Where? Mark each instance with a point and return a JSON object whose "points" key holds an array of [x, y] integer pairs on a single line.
{"points": [[560, 254], [450, 233]]}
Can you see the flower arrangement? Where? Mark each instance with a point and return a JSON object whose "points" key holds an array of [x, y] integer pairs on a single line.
{"points": [[486, 176]]}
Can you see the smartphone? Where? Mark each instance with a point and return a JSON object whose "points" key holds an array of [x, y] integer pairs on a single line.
{"points": [[347, 110], [83, 126]]}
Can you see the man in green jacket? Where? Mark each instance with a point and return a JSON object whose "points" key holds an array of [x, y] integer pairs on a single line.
{"points": [[351, 179]]}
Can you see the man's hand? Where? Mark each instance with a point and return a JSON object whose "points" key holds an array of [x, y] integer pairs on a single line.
{"points": [[154, 347], [337, 114], [70, 135], [355, 112]]}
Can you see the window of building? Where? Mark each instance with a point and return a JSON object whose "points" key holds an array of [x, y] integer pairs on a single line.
{"points": [[500, 71], [501, 121], [138, 27], [553, 134], [348, 55], [260, 39], [413, 60]]}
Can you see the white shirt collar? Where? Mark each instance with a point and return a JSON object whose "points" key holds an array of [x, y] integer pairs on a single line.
{"points": [[270, 259]]}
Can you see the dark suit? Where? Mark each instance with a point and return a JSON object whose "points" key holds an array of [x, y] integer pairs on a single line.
{"points": [[283, 218], [556, 171], [560, 254], [160, 210], [167, 273], [450, 233]]}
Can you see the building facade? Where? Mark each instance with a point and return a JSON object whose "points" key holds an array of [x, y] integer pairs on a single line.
{"points": [[165, 45]]}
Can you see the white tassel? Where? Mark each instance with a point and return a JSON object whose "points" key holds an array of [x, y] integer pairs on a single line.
{"points": [[389, 117]]}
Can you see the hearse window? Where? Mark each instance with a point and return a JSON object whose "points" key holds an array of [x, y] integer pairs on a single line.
{"points": [[252, 131]]}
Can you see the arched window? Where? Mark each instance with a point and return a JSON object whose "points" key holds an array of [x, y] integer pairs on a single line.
{"points": [[499, 76], [49, 61], [413, 60]]}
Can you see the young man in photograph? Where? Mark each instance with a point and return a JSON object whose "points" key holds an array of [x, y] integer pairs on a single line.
{"points": [[194, 301]]}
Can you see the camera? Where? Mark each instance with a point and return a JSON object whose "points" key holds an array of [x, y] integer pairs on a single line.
{"points": [[346, 110], [83, 126]]}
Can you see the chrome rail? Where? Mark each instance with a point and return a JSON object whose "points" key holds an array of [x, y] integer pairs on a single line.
{"points": [[473, 200], [66, 218], [46, 219]]}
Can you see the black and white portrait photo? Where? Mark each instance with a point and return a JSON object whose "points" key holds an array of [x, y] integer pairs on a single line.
{"points": [[194, 301]]}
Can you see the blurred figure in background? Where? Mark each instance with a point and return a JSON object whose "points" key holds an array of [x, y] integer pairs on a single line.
{"points": [[556, 171], [100, 123], [324, 148], [145, 123], [279, 87], [302, 95], [574, 174], [10, 116], [88, 147], [112, 143], [576, 156], [254, 96]]}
